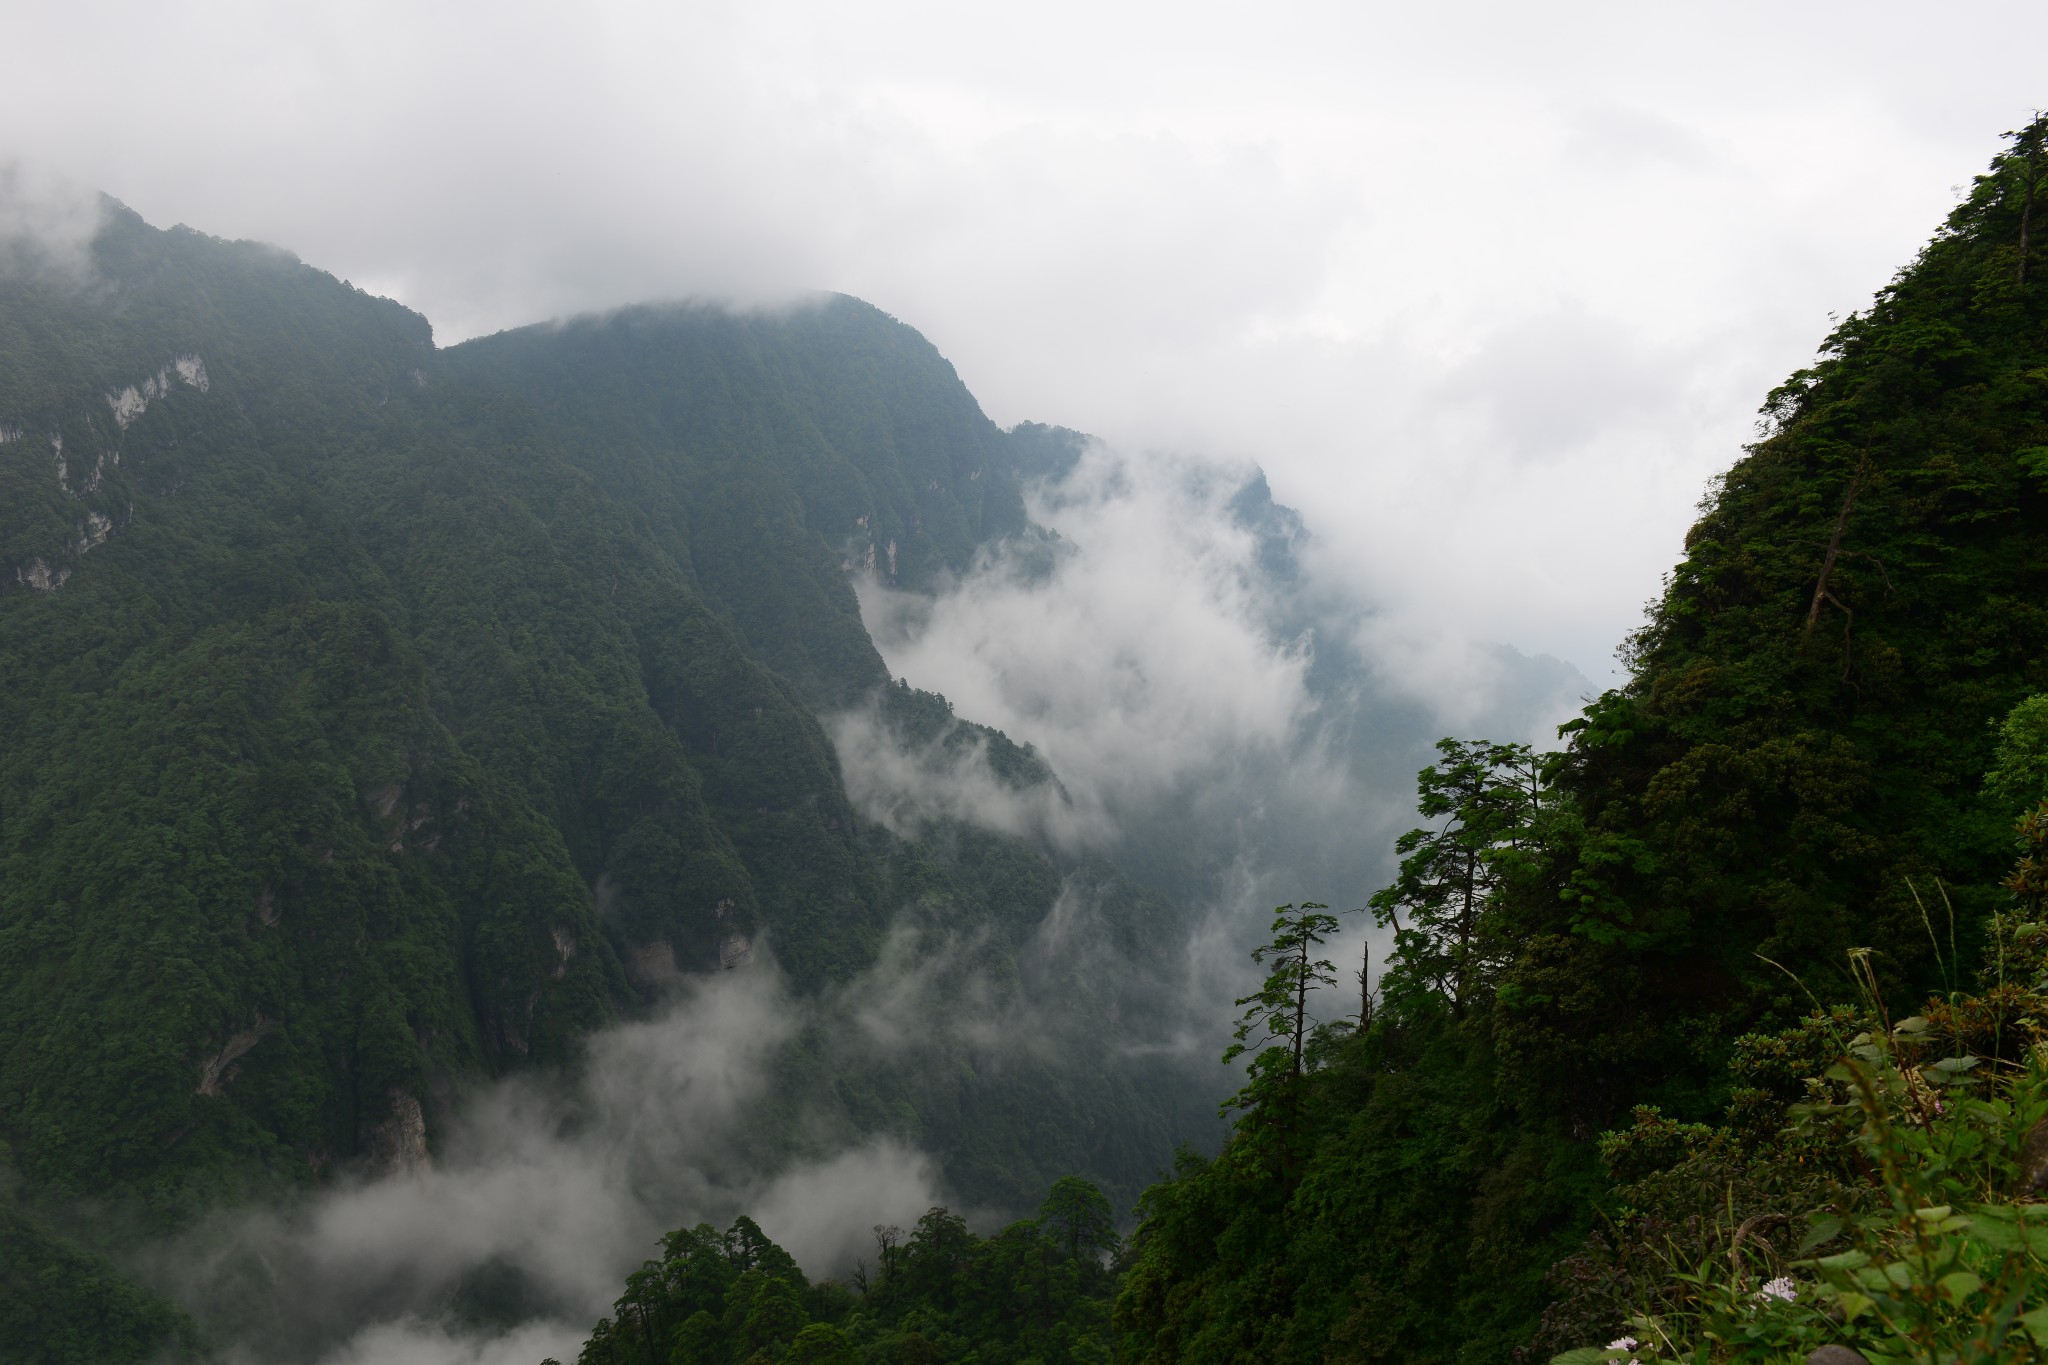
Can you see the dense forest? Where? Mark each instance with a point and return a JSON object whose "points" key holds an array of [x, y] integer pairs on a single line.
{"points": [[1038, 1290], [1722, 1033], [1787, 803], [385, 719]]}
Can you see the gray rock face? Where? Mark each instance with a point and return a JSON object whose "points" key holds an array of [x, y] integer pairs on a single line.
{"points": [[216, 1071], [398, 1145], [2034, 1158], [1835, 1355]]}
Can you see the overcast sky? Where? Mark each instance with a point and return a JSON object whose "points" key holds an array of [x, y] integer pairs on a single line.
{"points": [[1490, 290]]}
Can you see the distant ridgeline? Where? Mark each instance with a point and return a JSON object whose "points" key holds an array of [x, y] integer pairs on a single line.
{"points": [[379, 718]]}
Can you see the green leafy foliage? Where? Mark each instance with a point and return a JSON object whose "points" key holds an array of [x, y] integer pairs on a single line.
{"points": [[1037, 1291], [1275, 1030], [62, 1305], [1489, 797], [382, 719], [1416, 1225], [1797, 767], [1889, 1209]]}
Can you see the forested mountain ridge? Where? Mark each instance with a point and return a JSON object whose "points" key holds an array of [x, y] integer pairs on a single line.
{"points": [[389, 718], [873, 449], [1796, 769], [383, 718]]}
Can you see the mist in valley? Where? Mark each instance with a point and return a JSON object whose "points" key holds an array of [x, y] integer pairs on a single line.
{"points": [[1380, 461], [1223, 716], [1214, 718]]}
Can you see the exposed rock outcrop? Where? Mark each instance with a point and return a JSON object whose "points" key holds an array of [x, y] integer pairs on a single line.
{"points": [[398, 1145], [216, 1071]]}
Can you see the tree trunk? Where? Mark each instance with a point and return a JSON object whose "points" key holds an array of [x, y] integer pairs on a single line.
{"points": [[1300, 1005], [1827, 564], [646, 1333], [1465, 933], [1365, 990], [2027, 201]]}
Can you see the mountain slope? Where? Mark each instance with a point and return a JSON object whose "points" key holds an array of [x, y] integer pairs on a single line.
{"points": [[384, 719], [868, 453], [1795, 768]]}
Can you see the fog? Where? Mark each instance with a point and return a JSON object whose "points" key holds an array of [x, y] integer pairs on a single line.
{"points": [[47, 222], [1223, 715], [1489, 291], [1184, 660], [1142, 659], [546, 1191]]}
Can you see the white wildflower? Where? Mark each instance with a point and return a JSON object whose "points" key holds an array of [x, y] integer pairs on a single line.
{"points": [[1780, 1288], [1625, 1344]]}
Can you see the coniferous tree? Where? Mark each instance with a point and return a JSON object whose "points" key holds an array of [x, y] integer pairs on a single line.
{"points": [[1488, 797], [1275, 1026], [2027, 165]]}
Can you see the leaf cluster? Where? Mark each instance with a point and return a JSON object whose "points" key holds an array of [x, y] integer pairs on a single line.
{"points": [[1034, 1293]]}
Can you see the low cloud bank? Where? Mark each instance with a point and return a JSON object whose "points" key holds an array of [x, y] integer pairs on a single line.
{"points": [[1224, 715], [545, 1191], [1209, 696], [413, 1341], [46, 222], [909, 785], [1141, 660], [544, 1195]]}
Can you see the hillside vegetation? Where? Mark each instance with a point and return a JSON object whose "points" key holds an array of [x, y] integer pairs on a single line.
{"points": [[1792, 784], [390, 718], [1718, 1035], [382, 719]]}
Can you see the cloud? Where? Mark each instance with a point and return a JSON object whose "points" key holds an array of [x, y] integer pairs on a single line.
{"points": [[544, 1192], [1474, 688], [909, 785], [1223, 715], [1549, 384], [1306, 237], [1142, 660], [830, 1208], [1208, 695], [46, 220], [557, 1189], [416, 1342]]}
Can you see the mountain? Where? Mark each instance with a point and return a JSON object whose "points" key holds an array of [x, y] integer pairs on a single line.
{"points": [[1786, 804], [384, 719], [394, 729]]}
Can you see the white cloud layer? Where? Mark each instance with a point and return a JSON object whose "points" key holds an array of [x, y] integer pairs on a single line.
{"points": [[46, 220], [1143, 658], [565, 1187], [1223, 713], [1489, 290], [910, 786], [414, 1341]]}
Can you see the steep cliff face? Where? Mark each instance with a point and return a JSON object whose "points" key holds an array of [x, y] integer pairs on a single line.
{"points": [[381, 716]]}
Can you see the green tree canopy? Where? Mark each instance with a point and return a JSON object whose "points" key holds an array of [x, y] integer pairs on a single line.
{"points": [[1488, 798], [1077, 1217]]}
